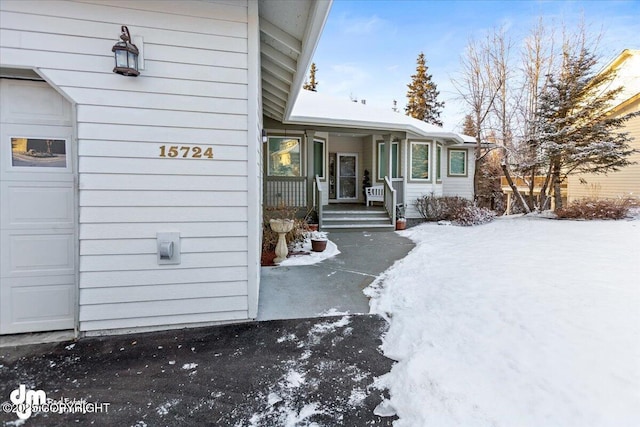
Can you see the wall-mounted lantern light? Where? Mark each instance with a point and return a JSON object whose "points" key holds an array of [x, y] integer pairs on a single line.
{"points": [[264, 136], [126, 54]]}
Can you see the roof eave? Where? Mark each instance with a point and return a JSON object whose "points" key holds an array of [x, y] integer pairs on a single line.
{"points": [[315, 24], [382, 127]]}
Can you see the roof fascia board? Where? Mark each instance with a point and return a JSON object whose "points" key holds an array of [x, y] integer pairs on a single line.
{"points": [[625, 104], [270, 123], [381, 127]]}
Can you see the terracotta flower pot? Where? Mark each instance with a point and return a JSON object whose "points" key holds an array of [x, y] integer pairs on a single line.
{"points": [[312, 227], [401, 225], [318, 245]]}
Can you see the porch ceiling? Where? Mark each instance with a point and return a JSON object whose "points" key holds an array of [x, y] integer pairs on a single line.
{"points": [[289, 34]]}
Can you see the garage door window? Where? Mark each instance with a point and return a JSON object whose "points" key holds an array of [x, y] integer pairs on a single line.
{"points": [[38, 152]]}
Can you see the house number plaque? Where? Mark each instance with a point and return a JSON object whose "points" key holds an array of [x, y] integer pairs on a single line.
{"points": [[186, 151]]}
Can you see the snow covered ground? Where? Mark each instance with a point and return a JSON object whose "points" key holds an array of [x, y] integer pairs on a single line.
{"points": [[310, 257], [522, 322]]}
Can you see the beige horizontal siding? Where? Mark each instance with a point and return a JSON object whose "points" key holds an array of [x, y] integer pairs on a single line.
{"points": [[622, 183]]}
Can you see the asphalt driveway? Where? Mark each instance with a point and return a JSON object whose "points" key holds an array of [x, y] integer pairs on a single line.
{"points": [[275, 373]]}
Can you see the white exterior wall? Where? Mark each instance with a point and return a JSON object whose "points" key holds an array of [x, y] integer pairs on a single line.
{"points": [[458, 185], [414, 190], [199, 86]]}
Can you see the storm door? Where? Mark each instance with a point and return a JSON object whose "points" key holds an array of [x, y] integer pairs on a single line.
{"points": [[347, 176]]}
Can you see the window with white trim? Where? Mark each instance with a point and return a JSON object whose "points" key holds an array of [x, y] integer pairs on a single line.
{"points": [[284, 156], [438, 163], [419, 158], [318, 157], [382, 160], [457, 162]]}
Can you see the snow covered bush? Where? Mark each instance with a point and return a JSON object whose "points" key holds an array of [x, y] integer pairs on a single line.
{"points": [[596, 209], [455, 209], [473, 215]]}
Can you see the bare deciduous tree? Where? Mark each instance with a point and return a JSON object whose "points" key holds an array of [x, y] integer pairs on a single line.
{"points": [[478, 88]]}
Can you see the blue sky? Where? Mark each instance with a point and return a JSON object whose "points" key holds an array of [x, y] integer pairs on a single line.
{"points": [[369, 47]]}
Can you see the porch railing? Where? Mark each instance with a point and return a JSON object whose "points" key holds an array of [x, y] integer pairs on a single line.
{"points": [[317, 199], [390, 199], [288, 191]]}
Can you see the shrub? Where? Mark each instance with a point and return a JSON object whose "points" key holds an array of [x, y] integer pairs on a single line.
{"points": [[270, 237], [596, 209], [456, 209]]}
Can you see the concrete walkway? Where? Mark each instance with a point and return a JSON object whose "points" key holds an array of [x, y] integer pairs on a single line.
{"points": [[334, 284]]}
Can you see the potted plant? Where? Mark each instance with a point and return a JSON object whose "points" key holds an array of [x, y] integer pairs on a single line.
{"points": [[366, 182], [401, 221], [319, 241]]}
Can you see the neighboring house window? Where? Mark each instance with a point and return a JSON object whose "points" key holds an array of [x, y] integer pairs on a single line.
{"points": [[382, 160], [283, 156], [318, 157], [438, 163], [419, 161], [457, 163]]}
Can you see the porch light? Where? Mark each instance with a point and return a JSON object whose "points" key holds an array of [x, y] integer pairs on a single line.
{"points": [[126, 55], [264, 136]]}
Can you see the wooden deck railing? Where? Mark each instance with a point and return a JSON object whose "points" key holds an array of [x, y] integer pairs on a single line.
{"points": [[317, 199], [524, 182], [390, 199], [285, 191]]}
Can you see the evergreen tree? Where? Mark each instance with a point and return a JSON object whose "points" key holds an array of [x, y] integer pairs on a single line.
{"points": [[422, 95], [469, 128], [312, 84], [575, 134]]}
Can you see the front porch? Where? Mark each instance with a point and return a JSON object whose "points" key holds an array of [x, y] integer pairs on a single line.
{"points": [[333, 214]]}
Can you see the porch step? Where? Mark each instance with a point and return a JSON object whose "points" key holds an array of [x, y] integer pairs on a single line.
{"points": [[355, 218], [369, 227]]}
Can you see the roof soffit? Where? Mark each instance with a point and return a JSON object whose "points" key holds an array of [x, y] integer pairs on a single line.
{"points": [[289, 34]]}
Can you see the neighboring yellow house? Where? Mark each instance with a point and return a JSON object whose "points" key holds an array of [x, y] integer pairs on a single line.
{"points": [[626, 181]]}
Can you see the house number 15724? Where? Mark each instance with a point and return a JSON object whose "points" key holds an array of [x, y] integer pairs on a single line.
{"points": [[186, 151]]}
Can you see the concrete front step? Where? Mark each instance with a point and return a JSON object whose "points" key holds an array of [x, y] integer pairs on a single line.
{"points": [[383, 217], [375, 215], [354, 212], [360, 222], [356, 219], [369, 227]]}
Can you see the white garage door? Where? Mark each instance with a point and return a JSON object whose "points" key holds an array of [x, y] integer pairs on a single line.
{"points": [[37, 213]]}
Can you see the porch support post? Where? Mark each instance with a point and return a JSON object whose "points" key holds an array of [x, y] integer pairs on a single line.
{"points": [[388, 155], [310, 134]]}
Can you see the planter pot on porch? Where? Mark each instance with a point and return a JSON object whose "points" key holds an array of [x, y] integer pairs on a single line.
{"points": [[312, 227], [318, 245], [401, 224]]}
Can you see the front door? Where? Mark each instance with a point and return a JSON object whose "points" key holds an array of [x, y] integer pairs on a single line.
{"points": [[37, 216], [347, 176]]}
